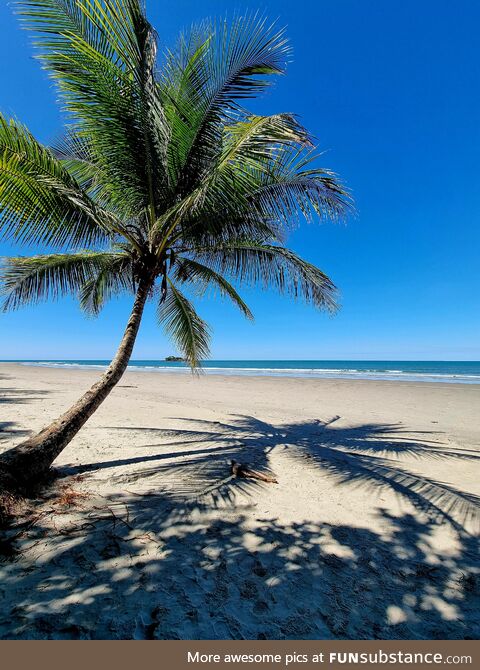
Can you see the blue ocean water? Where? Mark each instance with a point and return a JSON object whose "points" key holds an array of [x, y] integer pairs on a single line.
{"points": [[460, 372]]}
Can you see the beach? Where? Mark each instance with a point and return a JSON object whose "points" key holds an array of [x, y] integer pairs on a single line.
{"points": [[371, 530]]}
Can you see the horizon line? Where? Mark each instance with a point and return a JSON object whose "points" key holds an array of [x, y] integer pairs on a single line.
{"points": [[240, 360]]}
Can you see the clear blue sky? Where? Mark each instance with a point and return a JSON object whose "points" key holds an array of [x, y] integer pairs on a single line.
{"points": [[391, 89]]}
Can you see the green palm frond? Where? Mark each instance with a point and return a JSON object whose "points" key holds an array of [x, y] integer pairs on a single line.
{"points": [[77, 157], [201, 277], [109, 27], [226, 227], [255, 139], [39, 199], [189, 332], [112, 277], [264, 179], [28, 280], [205, 78], [247, 150], [255, 263], [292, 184], [102, 56]]}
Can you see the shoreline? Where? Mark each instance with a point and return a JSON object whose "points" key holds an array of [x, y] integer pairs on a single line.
{"points": [[262, 373]]}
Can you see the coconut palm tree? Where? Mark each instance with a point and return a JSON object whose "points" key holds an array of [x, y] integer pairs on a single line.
{"points": [[162, 183]]}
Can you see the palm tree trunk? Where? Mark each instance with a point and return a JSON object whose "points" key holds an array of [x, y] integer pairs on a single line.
{"points": [[29, 462]]}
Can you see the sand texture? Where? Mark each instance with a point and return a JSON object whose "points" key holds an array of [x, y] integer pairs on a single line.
{"points": [[370, 532]]}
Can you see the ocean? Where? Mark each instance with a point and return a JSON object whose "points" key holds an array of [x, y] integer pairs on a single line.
{"points": [[459, 372]]}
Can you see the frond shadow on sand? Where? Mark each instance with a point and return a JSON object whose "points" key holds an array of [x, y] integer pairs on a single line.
{"points": [[192, 466], [188, 561]]}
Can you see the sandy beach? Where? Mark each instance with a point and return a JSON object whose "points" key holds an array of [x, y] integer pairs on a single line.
{"points": [[370, 532]]}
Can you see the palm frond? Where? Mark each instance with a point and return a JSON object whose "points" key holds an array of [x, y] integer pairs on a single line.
{"points": [[292, 184], [113, 276], [27, 280], [189, 332], [39, 200], [109, 27], [259, 183], [255, 138], [102, 56], [253, 263], [201, 277], [78, 159], [205, 78], [247, 151]]}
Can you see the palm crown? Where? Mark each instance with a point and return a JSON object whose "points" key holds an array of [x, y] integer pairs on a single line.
{"points": [[162, 180]]}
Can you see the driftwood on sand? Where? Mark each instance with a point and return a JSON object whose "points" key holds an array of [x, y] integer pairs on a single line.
{"points": [[242, 470]]}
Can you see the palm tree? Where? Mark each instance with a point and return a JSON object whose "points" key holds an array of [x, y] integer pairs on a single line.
{"points": [[162, 182]]}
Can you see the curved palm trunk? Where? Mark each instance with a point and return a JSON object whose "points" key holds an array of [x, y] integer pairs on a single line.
{"points": [[31, 460]]}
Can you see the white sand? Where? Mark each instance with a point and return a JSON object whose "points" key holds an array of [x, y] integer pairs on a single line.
{"points": [[370, 532]]}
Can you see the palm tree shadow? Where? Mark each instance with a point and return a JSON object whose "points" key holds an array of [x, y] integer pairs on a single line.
{"points": [[367, 455], [9, 430], [17, 396], [165, 564]]}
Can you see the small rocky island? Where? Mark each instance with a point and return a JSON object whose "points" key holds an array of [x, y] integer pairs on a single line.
{"points": [[174, 359]]}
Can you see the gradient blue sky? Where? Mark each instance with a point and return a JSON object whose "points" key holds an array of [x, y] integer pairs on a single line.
{"points": [[391, 89]]}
